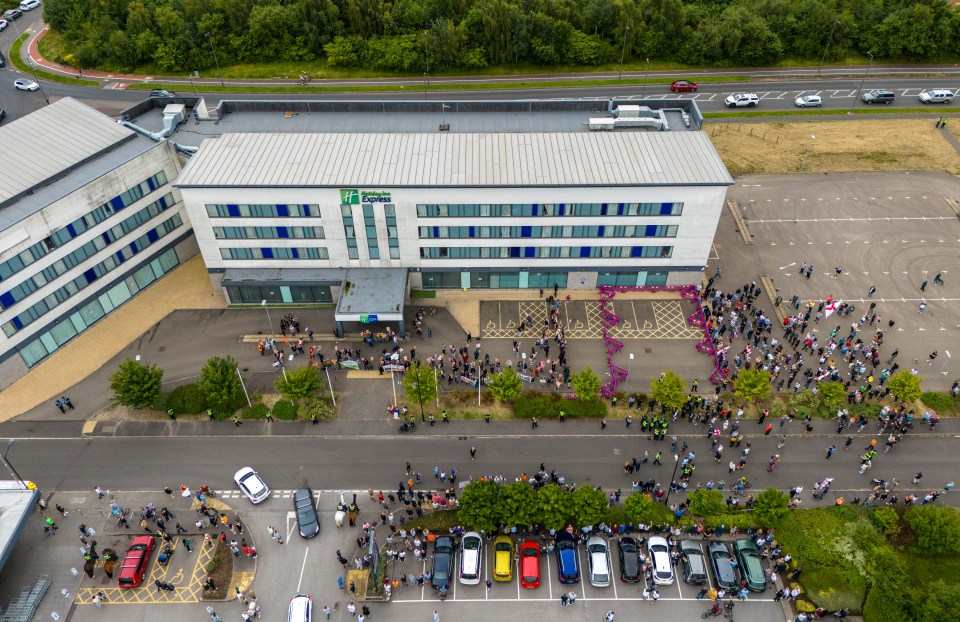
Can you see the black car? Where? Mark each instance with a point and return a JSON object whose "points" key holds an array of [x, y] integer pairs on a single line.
{"points": [[723, 571], [307, 521], [629, 560], [442, 561], [12, 14], [162, 93]]}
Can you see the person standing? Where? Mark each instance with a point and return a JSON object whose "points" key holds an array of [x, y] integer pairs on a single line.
{"points": [[326, 612], [436, 616], [186, 544], [59, 404], [473, 453], [830, 450], [917, 477]]}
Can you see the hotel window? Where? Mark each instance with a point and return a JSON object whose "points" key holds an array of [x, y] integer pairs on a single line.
{"points": [[349, 231]]}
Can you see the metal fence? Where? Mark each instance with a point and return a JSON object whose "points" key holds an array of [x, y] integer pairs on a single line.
{"points": [[25, 606]]}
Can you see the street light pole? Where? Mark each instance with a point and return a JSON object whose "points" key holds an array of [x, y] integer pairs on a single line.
{"points": [[33, 69], [242, 384], [214, 50], [623, 51], [426, 57], [865, 73], [646, 74], [803, 164], [333, 399], [17, 475], [749, 188], [780, 278], [836, 23], [676, 463], [263, 303]]}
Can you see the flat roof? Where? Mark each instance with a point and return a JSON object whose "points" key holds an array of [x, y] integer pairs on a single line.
{"points": [[16, 505], [372, 291], [440, 159]]}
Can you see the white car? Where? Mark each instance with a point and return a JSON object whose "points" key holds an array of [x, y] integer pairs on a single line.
{"points": [[738, 100], [3, 24], [936, 96], [26, 85], [471, 558], [28, 5], [251, 484], [808, 101], [598, 562], [300, 609], [660, 558]]}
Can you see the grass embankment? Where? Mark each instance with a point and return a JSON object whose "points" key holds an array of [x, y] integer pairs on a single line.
{"points": [[19, 63]]}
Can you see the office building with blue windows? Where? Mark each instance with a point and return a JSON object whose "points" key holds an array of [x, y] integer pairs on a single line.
{"points": [[290, 200], [88, 218]]}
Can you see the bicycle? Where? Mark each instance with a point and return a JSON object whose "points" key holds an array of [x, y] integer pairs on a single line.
{"points": [[714, 611]]}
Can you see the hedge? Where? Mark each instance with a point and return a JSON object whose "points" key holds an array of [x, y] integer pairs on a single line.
{"points": [[549, 405], [257, 411], [940, 402], [285, 410], [187, 400]]}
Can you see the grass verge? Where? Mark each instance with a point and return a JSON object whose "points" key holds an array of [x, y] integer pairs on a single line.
{"points": [[422, 293], [220, 568], [437, 521], [40, 74]]}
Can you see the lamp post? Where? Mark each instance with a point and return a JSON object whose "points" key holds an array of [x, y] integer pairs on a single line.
{"points": [[33, 69], [217, 62], [865, 73], [646, 74], [749, 188], [426, 57], [17, 475], [629, 365], [780, 278], [243, 384], [676, 463], [623, 51], [263, 303], [333, 399], [803, 164], [836, 23]]}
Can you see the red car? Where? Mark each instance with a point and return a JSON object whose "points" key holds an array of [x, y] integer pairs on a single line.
{"points": [[530, 564], [135, 562], [683, 86]]}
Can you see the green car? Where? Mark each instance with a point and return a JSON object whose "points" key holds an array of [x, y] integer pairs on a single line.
{"points": [[750, 567]]}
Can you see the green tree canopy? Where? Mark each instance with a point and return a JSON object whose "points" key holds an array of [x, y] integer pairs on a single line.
{"points": [[770, 506], [136, 384], [298, 383], [480, 505], [640, 508], [832, 394], [518, 505], [420, 385], [506, 385], [705, 502], [752, 384], [589, 505], [221, 383], [936, 529], [586, 384], [554, 506], [940, 602], [905, 386], [668, 389]]}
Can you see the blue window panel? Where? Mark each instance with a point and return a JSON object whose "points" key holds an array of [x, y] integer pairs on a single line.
{"points": [[106, 237], [117, 203], [620, 210], [90, 275], [152, 236], [600, 231], [436, 232], [233, 210], [530, 251], [525, 232], [119, 255], [584, 251], [152, 183], [561, 209], [666, 209], [296, 255], [73, 232], [6, 300], [283, 211], [267, 253], [473, 232], [514, 251], [651, 231], [283, 232], [603, 209], [636, 251], [535, 209], [17, 323]]}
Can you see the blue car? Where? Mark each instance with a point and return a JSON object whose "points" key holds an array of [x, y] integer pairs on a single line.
{"points": [[568, 567]]}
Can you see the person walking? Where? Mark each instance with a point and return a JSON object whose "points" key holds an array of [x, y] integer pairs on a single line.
{"points": [[923, 286], [603, 423], [59, 404], [236, 420], [917, 477], [489, 584], [186, 544], [473, 453], [830, 451], [326, 612], [436, 616]]}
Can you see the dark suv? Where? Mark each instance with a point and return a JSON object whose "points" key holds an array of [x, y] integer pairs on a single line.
{"points": [[878, 96]]}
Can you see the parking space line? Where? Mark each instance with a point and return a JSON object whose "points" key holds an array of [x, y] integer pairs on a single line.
{"points": [[583, 571], [486, 575], [549, 574], [303, 568], [610, 572]]}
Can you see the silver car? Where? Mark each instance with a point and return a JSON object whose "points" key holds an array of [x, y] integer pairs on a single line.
{"points": [[598, 561]]}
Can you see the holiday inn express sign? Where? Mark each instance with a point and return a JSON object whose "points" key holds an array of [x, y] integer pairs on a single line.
{"points": [[352, 196]]}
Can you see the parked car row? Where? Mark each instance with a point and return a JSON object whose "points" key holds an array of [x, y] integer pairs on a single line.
{"points": [[730, 570], [875, 96]]}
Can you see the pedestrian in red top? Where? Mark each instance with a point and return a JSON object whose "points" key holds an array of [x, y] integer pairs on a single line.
{"points": [[766, 430]]}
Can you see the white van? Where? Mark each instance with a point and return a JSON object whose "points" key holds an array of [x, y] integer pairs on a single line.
{"points": [[301, 609], [27, 5], [660, 557], [471, 556]]}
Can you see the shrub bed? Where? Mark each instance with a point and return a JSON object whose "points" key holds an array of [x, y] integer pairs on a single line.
{"points": [[943, 403], [257, 411], [549, 405], [285, 410], [187, 400]]}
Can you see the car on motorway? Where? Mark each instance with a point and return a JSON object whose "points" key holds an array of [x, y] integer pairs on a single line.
{"points": [[808, 101], [442, 561], [739, 100], [502, 558], [135, 562], [598, 563], [683, 86], [29, 5], [749, 558], [25, 85], [471, 558], [629, 554], [251, 484], [936, 96], [693, 563], [12, 14], [3, 24], [162, 93], [568, 567], [300, 609], [530, 564], [724, 573], [660, 558], [878, 96], [308, 523]]}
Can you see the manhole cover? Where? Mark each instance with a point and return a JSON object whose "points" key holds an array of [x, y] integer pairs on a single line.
{"points": [[162, 348], [647, 351]]}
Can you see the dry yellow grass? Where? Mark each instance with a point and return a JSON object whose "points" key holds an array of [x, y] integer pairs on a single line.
{"points": [[839, 146]]}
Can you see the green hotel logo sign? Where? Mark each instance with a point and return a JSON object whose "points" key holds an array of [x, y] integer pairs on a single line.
{"points": [[353, 196]]}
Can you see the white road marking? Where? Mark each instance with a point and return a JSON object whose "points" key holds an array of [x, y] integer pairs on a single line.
{"points": [[303, 568]]}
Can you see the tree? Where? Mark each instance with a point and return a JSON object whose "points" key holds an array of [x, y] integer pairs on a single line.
{"points": [[480, 505], [940, 602], [506, 385], [770, 506], [586, 384], [518, 505], [705, 502], [299, 383], [221, 383], [589, 505], [420, 385], [640, 508], [555, 506], [936, 529], [668, 389], [832, 394], [752, 384], [905, 386], [136, 384]]}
